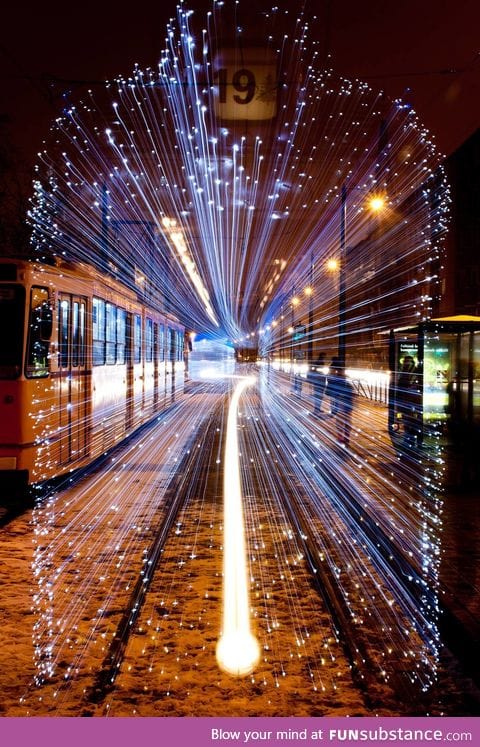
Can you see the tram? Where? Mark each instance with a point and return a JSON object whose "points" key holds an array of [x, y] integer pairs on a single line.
{"points": [[435, 378], [246, 354], [84, 361]]}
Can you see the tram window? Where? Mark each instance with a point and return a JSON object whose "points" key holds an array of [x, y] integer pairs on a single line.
{"points": [[75, 333], [63, 314], [180, 346], [171, 344], [98, 331], [81, 335], [161, 342], [121, 334], [12, 310], [148, 340], [78, 334], [111, 332], [40, 331], [137, 339]]}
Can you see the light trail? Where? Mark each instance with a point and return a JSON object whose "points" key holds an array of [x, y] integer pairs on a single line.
{"points": [[75, 526], [238, 650], [338, 485], [226, 221], [225, 216], [74, 607]]}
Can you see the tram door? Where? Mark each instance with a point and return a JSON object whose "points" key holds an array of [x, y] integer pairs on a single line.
{"points": [[73, 388]]}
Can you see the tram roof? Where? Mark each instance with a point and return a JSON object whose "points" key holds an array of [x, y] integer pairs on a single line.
{"points": [[456, 323], [459, 318]]}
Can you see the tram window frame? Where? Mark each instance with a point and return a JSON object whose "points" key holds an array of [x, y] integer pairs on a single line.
{"points": [[137, 338], [38, 346], [98, 331], [121, 336], [75, 333], [110, 333]]}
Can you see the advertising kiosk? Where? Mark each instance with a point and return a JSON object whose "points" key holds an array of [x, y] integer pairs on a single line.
{"points": [[435, 381]]}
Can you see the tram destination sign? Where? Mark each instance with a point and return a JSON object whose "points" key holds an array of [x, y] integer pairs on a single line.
{"points": [[246, 84]]}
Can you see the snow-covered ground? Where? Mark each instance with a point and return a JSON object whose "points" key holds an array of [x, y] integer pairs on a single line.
{"points": [[67, 567]]}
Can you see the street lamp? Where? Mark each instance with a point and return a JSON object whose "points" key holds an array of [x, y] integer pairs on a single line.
{"points": [[309, 293], [332, 264], [342, 294], [375, 204]]}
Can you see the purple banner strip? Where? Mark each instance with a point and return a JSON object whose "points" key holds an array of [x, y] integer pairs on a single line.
{"points": [[218, 732]]}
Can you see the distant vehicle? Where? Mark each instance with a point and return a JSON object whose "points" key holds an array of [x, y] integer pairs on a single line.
{"points": [[246, 355], [83, 363]]}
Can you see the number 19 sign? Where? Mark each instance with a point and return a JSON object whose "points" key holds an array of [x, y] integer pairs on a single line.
{"points": [[246, 84]]}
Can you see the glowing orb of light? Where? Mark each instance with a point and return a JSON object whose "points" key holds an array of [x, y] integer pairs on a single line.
{"points": [[377, 204], [238, 653]]}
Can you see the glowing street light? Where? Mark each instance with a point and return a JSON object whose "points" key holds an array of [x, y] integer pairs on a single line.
{"points": [[332, 264], [377, 203]]}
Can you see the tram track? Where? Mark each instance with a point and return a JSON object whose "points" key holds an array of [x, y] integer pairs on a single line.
{"points": [[110, 514], [368, 534], [146, 638], [422, 591], [322, 576], [190, 470], [318, 575], [319, 561]]}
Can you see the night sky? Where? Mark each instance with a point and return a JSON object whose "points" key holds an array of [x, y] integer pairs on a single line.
{"points": [[426, 52]]}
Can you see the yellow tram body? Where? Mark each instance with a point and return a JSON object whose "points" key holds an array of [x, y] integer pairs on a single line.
{"points": [[85, 361]]}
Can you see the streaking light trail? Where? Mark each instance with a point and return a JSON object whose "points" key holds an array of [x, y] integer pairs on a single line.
{"points": [[214, 183], [177, 238], [238, 651], [213, 186]]}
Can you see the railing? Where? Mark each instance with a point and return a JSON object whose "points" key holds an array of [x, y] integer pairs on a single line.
{"points": [[367, 383], [372, 385]]}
